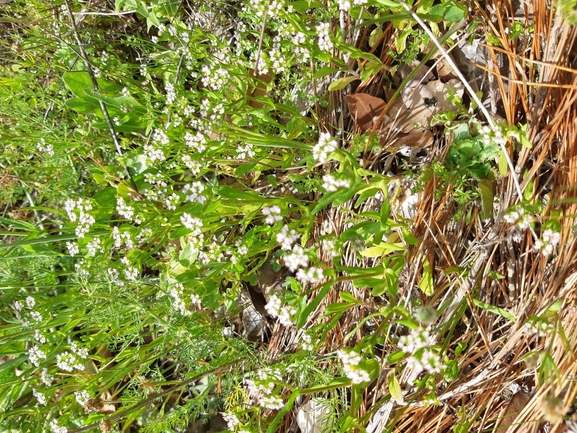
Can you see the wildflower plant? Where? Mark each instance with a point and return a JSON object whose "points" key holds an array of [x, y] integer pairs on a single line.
{"points": [[185, 159]]}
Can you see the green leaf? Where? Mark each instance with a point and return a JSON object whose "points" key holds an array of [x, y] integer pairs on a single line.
{"points": [[323, 72], [375, 36], [341, 83], [455, 12], [382, 249], [496, 310], [426, 283], [312, 306], [503, 166], [346, 296], [395, 388]]}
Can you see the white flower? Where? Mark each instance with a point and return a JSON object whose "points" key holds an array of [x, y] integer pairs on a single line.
{"points": [[193, 191], [273, 214], [287, 237], [46, 377], [56, 428], [296, 259], [39, 396], [311, 275], [324, 33], [324, 147], [82, 397], [35, 355], [331, 184], [417, 339], [192, 223], [351, 361], [30, 302]]}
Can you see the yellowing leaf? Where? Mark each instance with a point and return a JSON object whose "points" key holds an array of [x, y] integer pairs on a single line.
{"points": [[395, 389], [382, 249], [426, 283]]}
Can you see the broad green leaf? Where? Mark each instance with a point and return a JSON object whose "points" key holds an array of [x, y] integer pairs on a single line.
{"points": [[395, 388], [341, 83], [426, 283], [382, 249], [323, 72], [375, 36], [455, 12], [348, 297], [497, 310]]}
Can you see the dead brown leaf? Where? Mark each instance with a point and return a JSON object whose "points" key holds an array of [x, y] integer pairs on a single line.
{"points": [[364, 108]]}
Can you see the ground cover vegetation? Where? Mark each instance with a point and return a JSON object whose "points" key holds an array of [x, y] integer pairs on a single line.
{"points": [[288, 216]]}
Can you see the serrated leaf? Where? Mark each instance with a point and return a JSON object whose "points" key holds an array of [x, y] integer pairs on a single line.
{"points": [[426, 283], [341, 83]]}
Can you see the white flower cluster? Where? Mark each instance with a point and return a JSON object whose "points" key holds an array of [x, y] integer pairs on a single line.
{"points": [[22, 315], [232, 421], [82, 397], [193, 165], [153, 154], [332, 184], [130, 272], [195, 141], [39, 396], [287, 237], [193, 192], [307, 342], [70, 361], [273, 214], [298, 42], [297, 258], [123, 209], [419, 340], [56, 428], [46, 377], [283, 313], [94, 246], [214, 78], [79, 211], [540, 327], [312, 275], [192, 223], [351, 361], [260, 390], [331, 247], [324, 147], [549, 241], [39, 337], [492, 136], [246, 151], [520, 217], [73, 248], [324, 34], [170, 93], [177, 303], [45, 148], [35, 355], [123, 238]]}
